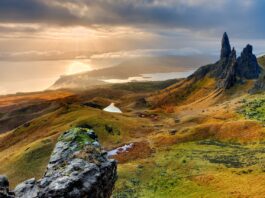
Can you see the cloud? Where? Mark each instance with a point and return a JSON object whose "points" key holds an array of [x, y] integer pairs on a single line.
{"points": [[147, 53], [234, 16]]}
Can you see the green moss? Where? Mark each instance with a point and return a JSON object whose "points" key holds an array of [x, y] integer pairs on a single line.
{"points": [[80, 135]]}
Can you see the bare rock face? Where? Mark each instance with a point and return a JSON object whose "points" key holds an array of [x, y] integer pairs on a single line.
{"points": [[248, 66], [259, 85], [226, 48], [229, 70], [229, 74], [77, 168]]}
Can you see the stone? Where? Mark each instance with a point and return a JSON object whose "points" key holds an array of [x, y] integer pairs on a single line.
{"points": [[92, 135], [229, 74], [248, 67], [259, 85], [226, 48], [230, 70], [78, 167]]}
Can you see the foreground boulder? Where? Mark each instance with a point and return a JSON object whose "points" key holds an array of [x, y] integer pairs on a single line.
{"points": [[77, 168]]}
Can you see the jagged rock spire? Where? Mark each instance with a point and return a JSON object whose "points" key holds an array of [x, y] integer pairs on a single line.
{"points": [[233, 54], [226, 48], [229, 73], [248, 66]]}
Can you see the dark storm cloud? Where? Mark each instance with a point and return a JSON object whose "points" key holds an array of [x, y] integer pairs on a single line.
{"points": [[33, 11], [244, 18]]}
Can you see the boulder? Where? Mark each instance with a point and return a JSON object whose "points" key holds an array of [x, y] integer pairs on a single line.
{"points": [[78, 167]]}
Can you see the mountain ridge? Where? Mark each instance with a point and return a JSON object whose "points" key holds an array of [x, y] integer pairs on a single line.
{"points": [[224, 74]]}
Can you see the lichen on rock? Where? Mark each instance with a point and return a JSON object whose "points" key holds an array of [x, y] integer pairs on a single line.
{"points": [[78, 167]]}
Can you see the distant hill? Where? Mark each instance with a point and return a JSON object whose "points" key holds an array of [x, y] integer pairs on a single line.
{"points": [[130, 68]]}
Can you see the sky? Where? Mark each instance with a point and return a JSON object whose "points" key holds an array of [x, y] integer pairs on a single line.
{"points": [[42, 39]]}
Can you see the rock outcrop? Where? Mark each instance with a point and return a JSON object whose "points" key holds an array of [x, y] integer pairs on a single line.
{"points": [[226, 47], [77, 168], [248, 67], [229, 76], [259, 85], [230, 70]]}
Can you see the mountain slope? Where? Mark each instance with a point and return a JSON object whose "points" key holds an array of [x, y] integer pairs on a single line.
{"points": [[226, 73]]}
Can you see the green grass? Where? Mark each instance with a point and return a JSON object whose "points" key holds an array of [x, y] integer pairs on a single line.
{"points": [[31, 163], [253, 109], [15, 157], [171, 171], [145, 86]]}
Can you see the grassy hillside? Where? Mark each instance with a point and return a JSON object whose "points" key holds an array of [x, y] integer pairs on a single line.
{"points": [[206, 145], [205, 168], [27, 148], [145, 86]]}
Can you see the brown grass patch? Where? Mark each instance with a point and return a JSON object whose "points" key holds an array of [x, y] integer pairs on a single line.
{"points": [[39, 96], [240, 131], [139, 150]]}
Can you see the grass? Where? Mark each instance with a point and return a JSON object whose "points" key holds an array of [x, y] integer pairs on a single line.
{"points": [[28, 163], [145, 86], [253, 109], [194, 169], [213, 154], [17, 145], [186, 91]]}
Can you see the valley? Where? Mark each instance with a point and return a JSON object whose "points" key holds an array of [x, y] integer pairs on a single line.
{"points": [[202, 136]]}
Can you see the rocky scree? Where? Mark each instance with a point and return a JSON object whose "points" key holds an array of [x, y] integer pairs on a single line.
{"points": [[78, 167]]}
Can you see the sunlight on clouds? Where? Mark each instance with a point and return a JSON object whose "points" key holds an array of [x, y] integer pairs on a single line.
{"points": [[2, 91], [77, 67]]}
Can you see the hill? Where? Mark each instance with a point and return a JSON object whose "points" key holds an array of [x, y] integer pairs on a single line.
{"points": [[202, 136], [130, 68]]}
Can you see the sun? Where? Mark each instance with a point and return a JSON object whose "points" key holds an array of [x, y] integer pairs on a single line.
{"points": [[77, 67]]}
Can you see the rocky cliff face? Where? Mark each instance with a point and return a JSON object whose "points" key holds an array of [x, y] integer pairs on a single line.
{"points": [[229, 76], [259, 86], [77, 168], [226, 47], [248, 66], [229, 70]]}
